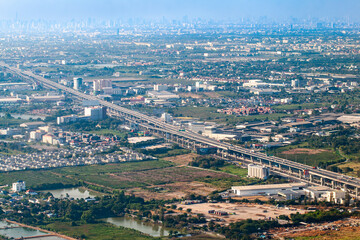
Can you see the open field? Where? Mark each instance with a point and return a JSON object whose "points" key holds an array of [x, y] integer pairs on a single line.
{"points": [[308, 156], [109, 132], [99, 231], [173, 190], [167, 175], [346, 229], [191, 95], [113, 176], [70, 176], [149, 179], [203, 237], [307, 151], [11, 122], [353, 165], [239, 211], [227, 182], [182, 159], [212, 94], [113, 168], [36, 179], [209, 113], [232, 169], [299, 106]]}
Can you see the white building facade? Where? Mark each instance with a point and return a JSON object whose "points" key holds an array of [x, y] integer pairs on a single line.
{"points": [[18, 186], [257, 171]]}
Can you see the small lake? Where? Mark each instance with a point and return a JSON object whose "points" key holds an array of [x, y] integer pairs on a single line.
{"points": [[20, 232], [24, 116], [76, 193], [147, 228]]}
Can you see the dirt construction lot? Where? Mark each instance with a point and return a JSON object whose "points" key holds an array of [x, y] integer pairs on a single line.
{"points": [[173, 190], [239, 211], [182, 160], [305, 151]]}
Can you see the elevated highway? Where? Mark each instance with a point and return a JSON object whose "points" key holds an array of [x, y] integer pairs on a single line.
{"points": [[194, 140]]}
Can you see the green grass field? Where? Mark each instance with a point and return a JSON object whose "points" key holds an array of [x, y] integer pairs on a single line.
{"points": [[99, 231], [34, 178], [11, 122], [209, 113], [309, 159], [113, 168], [98, 174], [313, 159], [299, 106], [108, 132], [241, 172]]}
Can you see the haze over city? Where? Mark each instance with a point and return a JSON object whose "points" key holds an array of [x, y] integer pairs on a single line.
{"points": [[179, 119], [176, 9]]}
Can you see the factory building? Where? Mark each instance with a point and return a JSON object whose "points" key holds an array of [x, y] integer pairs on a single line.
{"points": [[270, 189]]}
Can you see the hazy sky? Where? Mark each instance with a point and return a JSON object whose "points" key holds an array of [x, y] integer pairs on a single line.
{"points": [[216, 9]]}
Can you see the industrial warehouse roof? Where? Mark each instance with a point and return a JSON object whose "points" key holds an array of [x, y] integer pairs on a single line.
{"points": [[269, 186]]}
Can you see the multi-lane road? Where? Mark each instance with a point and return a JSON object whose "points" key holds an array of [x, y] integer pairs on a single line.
{"points": [[324, 175]]}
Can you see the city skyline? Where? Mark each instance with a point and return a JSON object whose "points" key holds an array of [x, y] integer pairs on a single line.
{"points": [[159, 9]]}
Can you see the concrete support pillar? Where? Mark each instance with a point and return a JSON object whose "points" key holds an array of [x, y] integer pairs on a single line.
{"points": [[300, 174], [322, 181], [311, 178], [332, 184]]}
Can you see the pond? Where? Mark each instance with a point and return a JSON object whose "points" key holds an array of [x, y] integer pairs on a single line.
{"points": [[75, 193], [15, 231], [147, 228]]}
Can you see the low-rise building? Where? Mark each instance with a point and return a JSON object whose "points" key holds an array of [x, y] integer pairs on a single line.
{"points": [[269, 189], [18, 186]]}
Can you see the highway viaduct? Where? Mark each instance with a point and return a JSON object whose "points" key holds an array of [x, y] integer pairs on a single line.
{"points": [[194, 140]]}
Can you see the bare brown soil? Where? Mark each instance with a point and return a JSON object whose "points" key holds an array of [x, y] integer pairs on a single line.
{"points": [[190, 95], [305, 151], [212, 94], [172, 182], [346, 229], [252, 198], [347, 233], [172, 190], [239, 211], [182, 160]]}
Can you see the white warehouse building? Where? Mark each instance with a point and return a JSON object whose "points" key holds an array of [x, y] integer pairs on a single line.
{"points": [[269, 189], [258, 171]]}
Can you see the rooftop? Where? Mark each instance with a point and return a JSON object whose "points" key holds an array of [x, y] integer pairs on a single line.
{"points": [[269, 186]]}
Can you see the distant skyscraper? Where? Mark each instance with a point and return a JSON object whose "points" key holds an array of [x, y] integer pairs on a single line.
{"points": [[78, 83], [295, 83], [99, 85]]}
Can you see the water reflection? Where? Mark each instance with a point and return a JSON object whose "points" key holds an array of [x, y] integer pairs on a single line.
{"points": [[147, 228], [75, 193], [8, 230]]}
